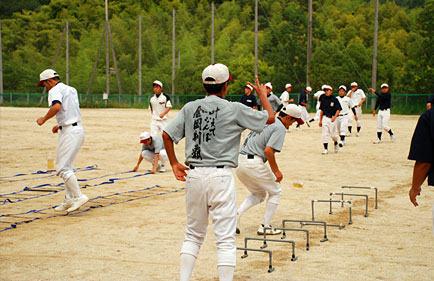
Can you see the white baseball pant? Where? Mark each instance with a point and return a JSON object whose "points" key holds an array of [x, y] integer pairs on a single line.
{"points": [[210, 191], [259, 180], [150, 156], [69, 143], [318, 112], [383, 118], [359, 117], [157, 127], [342, 124], [304, 113], [329, 128]]}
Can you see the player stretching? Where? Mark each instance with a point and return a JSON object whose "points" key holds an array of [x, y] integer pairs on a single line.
{"points": [[63, 102], [212, 129], [358, 97], [342, 120], [254, 173], [330, 108], [152, 151], [160, 105], [383, 102]]}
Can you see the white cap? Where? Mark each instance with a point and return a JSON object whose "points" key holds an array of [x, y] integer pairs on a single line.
{"points": [[354, 84], [268, 85], [156, 82], [144, 136], [322, 87], [216, 74], [309, 89], [46, 74], [294, 111], [327, 87], [250, 87], [342, 87], [288, 86], [384, 85]]}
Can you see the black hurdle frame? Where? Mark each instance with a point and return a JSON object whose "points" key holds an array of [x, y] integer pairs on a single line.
{"points": [[296, 229]]}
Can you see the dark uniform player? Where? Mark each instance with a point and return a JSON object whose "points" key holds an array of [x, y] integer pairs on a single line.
{"points": [[383, 102], [430, 102], [302, 103], [422, 150], [330, 108], [248, 99]]}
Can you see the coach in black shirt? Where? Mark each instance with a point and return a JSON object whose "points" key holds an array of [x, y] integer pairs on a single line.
{"points": [[422, 150], [248, 98]]}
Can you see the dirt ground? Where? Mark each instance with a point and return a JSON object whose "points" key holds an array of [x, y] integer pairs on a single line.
{"points": [[137, 235]]}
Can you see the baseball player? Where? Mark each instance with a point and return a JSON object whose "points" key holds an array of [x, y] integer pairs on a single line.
{"points": [[342, 120], [358, 97], [152, 151], [330, 109], [284, 97], [248, 99], [272, 98], [64, 104], [256, 175], [212, 129], [302, 103], [160, 105], [316, 96], [383, 102]]}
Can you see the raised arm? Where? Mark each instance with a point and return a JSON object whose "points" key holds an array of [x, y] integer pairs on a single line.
{"points": [[262, 94]]}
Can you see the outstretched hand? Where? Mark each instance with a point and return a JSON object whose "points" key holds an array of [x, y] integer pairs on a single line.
{"points": [[414, 192]]}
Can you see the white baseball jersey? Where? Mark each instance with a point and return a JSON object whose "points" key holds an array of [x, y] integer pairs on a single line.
{"points": [[318, 94], [346, 104], [68, 97], [284, 97], [158, 104], [357, 96]]}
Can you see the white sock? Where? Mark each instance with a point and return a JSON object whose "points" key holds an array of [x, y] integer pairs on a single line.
{"points": [[248, 203], [226, 272], [270, 209], [73, 187], [187, 264]]}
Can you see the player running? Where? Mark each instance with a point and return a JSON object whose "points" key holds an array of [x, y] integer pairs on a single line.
{"points": [[358, 97], [212, 129], [160, 105], [284, 97], [152, 151], [302, 103], [330, 109], [342, 120], [316, 96], [64, 104], [383, 117], [256, 175]]}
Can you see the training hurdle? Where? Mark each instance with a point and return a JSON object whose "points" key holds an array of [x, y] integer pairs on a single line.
{"points": [[270, 256], [352, 194], [309, 222], [365, 187], [295, 229], [330, 201]]}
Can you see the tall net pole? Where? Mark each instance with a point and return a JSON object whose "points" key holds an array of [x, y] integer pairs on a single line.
{"points": [[173, 52], [374, 55], [212, 32], [67, 52], [107, 54], [140, 54], [309, 42], [256, 37]]}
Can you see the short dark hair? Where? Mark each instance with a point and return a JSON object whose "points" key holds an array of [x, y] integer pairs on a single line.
{"points": [[282, 114], [56, 78], [213, 88]]}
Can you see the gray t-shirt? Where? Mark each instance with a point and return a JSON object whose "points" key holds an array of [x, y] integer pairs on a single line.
{"points": [[274, 101], [156, 145], [273, 136], [212, 127]]}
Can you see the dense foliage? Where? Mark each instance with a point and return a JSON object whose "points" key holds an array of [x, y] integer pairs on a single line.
{"points": [[342, 53]]}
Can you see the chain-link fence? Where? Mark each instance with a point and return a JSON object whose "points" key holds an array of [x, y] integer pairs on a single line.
{"points": [[401, 103]]}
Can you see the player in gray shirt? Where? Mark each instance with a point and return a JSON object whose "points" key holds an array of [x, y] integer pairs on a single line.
{"points": [[275, 102], [256, 175], [212, 128], [152, 151]]}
